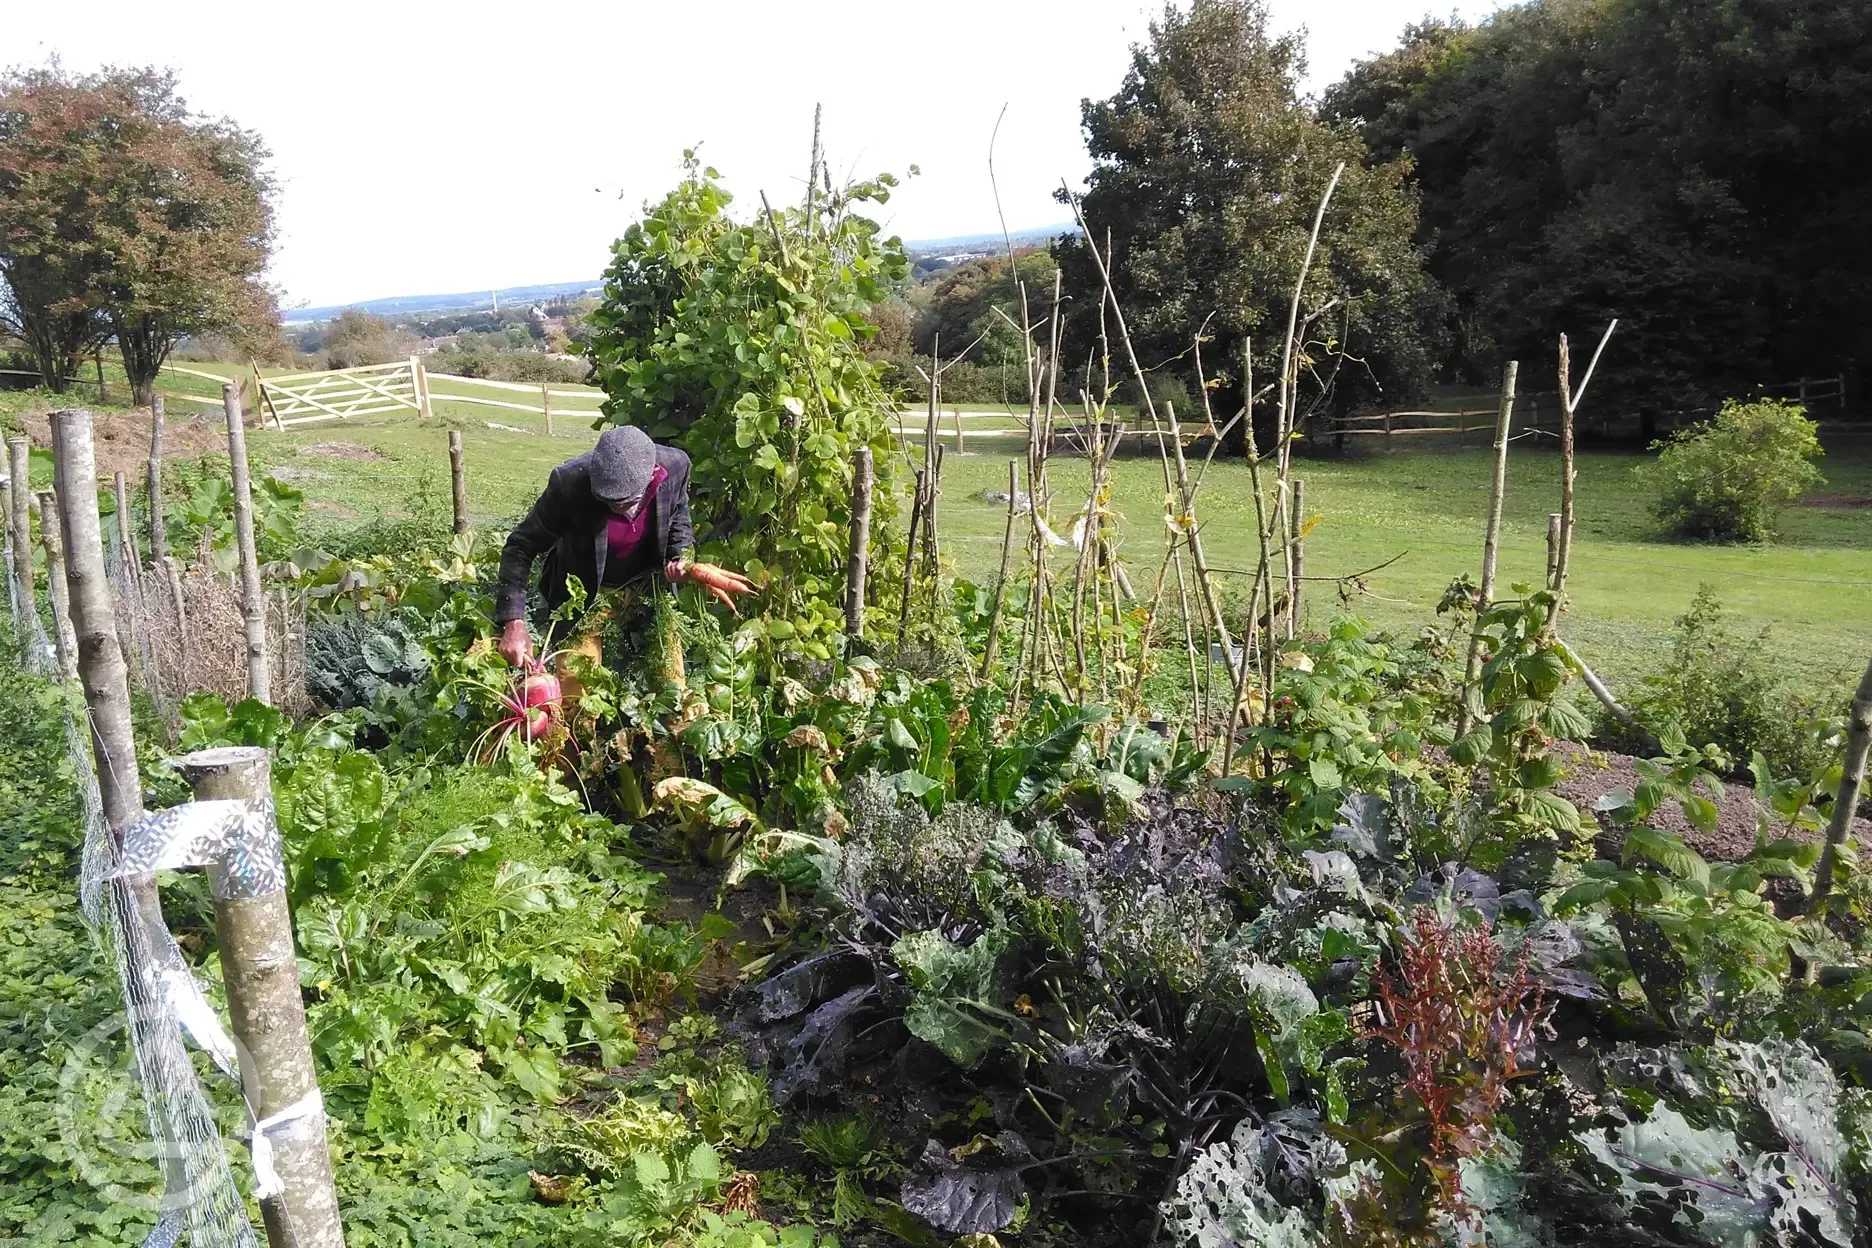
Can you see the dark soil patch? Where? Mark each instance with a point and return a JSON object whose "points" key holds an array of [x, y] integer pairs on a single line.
{"points": [[122, 438], [1595, 775]]}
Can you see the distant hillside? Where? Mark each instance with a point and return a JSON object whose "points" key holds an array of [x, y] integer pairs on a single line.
{"points": [[975, 244], [407, 305]]}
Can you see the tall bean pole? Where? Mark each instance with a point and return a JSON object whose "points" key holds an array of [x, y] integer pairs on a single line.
{"points": [[52, 540], [993, 646], [863, 479], [19, 455], [253, 598], [1491, 541], [158, 529], [1852, 780]]}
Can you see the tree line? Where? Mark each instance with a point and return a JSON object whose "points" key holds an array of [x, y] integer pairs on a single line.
{"points": [[126, 217], [1692, 168]]}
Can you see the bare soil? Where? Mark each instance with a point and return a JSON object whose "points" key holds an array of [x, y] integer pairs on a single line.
{"points": [[122, 438], [1597, 774]]}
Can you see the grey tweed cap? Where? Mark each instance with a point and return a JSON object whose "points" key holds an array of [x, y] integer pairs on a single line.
{"points": [[621, 464]]}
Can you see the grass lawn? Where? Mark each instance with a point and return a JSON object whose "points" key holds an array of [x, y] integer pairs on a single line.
{"points": [[1812, 591]]}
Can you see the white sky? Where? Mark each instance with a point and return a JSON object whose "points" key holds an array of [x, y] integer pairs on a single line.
{"points": [[432, 148]]}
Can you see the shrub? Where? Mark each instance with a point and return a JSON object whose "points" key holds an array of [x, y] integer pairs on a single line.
{"points": [[1717, 688], [1727, 478]]}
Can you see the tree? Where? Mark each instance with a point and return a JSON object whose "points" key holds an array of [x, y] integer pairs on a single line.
{"points": [[976, 303], [1692, 169], [1208, 168], [355, 337], [153, 219]]}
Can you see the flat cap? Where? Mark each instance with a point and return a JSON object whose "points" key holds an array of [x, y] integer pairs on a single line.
{"points": [[621, 464]]}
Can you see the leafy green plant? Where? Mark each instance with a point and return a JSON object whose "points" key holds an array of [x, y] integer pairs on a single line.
{"points": [[743, 343], [852, 1149], [1727, 479]]}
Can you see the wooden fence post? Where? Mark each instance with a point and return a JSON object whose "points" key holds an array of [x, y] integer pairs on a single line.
{"points": [[19, 453], [158, 528], [253, 599], [419, 382], [1001, 583], [1296, 540], [63, 634], [261, 971], [1498, 486], [103, 395], [546, 406], [856, 567], [958, 425], [458, 481]]}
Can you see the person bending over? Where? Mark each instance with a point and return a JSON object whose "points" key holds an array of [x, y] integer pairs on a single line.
{"points": [[615, 514]]}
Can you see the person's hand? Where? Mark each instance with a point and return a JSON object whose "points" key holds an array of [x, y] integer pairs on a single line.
{"points": [[516, 644], [720, 582]]}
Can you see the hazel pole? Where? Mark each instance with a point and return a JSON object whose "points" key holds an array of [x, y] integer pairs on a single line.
{"points": [[1491, 541], [855, 570], [52, 540], [458, 481], [253, 599], [19, 452], [158, 530]]}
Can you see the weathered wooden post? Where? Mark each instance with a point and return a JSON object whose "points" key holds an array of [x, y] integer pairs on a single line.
{"points": [[419, 383], [1554, 521], [253, 599], [959, 435], [19, 456], [53, 541], [158, 529], [173, 575], [258, 964], [1852, 778], [1296, 540], [546, 406], [1001, 583], [1491, 541], [103, 395], [458, 481], [857, 566], [133, 574], [910, 550]]}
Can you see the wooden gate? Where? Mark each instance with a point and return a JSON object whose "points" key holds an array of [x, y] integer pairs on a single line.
{"points": [[302, 398]]}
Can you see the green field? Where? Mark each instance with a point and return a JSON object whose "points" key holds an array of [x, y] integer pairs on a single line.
{"points": [[1812, 591]]}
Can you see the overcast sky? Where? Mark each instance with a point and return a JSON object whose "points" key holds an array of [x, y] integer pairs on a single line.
{"points": [[432, 148]]}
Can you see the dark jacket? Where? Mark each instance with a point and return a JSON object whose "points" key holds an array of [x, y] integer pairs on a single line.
{"points": [[568, 524]]}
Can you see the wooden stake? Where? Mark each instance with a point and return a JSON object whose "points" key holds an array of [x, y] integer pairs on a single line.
{"points": [[1491, 540], [253, 599], [546, 407], [126, 532], [1563, 549], [19, 452], [261, 971], [63, 635], [1852, 779], [126, 538], [458, 481], [6, 523], [103, 395], [1001, 584], [158, 527], [958, 425], [916, 516], [1295, 524], [855, 569], [1554, 521], [172, 575]]}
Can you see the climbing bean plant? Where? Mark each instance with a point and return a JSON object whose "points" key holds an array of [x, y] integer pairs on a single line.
{"points": [[742, 341]]}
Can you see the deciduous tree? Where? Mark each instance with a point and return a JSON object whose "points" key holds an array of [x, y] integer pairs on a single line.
{"points": [[1208, 167], [131, 209]]}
